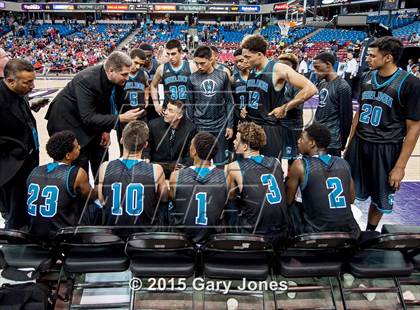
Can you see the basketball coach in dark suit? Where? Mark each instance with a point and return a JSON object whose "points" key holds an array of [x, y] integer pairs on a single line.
{"points": [[87, 106], [19, 146], [170, 138]]}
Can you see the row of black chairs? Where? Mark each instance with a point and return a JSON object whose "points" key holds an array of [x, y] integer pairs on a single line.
{"points": [[81, 250]]}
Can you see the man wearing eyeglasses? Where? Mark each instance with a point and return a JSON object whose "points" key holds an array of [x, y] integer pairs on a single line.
{"points": [[4, 58]]}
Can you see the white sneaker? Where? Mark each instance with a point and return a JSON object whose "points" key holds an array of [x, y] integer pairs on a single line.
{"points": [[348, 280], [293, 294], [368, 296]]}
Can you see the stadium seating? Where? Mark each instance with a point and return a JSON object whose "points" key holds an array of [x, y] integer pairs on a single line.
{"points": [[339, 35], [396, 20], [272, 34], [408, 30]]}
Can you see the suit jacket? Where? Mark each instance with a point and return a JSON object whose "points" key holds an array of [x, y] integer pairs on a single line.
{"points": [[84, 106], [16, 136], [159, 149]]}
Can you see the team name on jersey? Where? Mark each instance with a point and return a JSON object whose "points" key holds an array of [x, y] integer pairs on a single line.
{"points": [[263, 85], [380, 96], [133, 85], [240, 89], [175, 79]]}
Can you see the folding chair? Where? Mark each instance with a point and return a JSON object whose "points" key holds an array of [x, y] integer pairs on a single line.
{"points": [[92, 250], [160, 255], [315, 255], [413, 256], [237, 256], [382, 257]]}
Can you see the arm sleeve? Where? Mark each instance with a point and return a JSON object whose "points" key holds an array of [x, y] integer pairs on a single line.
{"points": [[227, 91], [409, 96], [346, 111], [86, 104], [190, 101]]}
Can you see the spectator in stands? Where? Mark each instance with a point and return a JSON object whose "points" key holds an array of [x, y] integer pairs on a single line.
{"points": [[303, 66], [410, 65], [143, 180], [351, 71], [170, 137], [258, 181], [199, 192], [59, 178], [415, 70], [4, 58], [89, 103], [335, 109], [316, 174]]}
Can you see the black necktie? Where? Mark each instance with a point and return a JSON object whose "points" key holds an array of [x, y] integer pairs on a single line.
{"points": [[172, 138]]}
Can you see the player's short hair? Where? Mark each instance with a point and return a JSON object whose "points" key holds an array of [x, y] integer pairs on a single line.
{"points": [[320, 134], [178, 103], [146, 47], [214, 49], [205, 145], [60, 144], [137, 52], [252, 135], [14, 66], [135, 136], [203, 52], [255, 43], [171, 44], [326, 58], [117, 61], [238, 52], [292, 58], [389, 45]]}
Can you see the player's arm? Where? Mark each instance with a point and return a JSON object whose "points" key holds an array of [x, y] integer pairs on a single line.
{"points": [[101, 177], [147, 90], [352, 192], [307, 88], [162, 189], [346, 112], [172, 185], [231, 182], [397, 173], [82, 185], [157, 78], [227, 91], [295, 178]]}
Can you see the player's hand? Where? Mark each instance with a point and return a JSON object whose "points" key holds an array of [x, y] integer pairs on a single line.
{"points": [[395, 177], [244, 113], [229, 133], [159, 110], [105, 139], [131, 115], [279, 112]]}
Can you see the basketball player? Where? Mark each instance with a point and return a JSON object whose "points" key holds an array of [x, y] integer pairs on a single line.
{"points": [[55, 190], [199, 192], [335, 108], [135, 89], [174, 76], [238, 82], [386, 128], [325, 183], [259, 183], [150, 66], [210, 102], [266, 92], [293, 122], [129, 188]]}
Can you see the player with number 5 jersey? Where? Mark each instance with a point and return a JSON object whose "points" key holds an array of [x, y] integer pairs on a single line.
{"points": [[260, 186], [130, 188], [325, 183], [198, 193]]}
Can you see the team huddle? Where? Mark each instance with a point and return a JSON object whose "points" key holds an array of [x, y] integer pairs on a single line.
{"points": [[206, 157]]}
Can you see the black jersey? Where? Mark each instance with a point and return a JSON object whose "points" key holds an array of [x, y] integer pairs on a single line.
{"points": [[335, 109], [129, 191], [200, 197], [240, 94], [263, 97], [133, 94], [263, 196], [326, 195], [52, 203], [153, 69], [175, 82], [382, 111], [294, 117]]}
